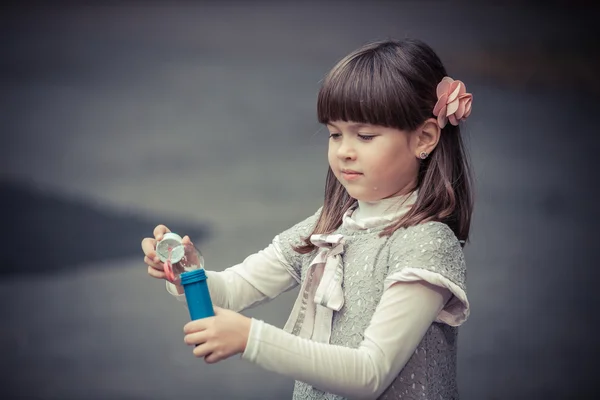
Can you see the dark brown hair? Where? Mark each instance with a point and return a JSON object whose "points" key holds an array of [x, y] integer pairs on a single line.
{"points": [[393, 84]]}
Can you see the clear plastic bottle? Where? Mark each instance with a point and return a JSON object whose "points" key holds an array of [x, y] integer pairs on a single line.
{"points": [[178, 257]]}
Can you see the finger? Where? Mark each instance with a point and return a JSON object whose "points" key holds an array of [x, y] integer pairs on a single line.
{"points": [[214, 357], [197, 325], [149, 246], [203, 350], [196, 338], [186, 240], [156, 274], [159, 231], [154, 263]]}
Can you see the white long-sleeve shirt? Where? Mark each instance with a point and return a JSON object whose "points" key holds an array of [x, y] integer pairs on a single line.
{"points": [[403, 315]]}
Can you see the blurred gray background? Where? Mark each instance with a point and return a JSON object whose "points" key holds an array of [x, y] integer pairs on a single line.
{"points": [[117, 116]]}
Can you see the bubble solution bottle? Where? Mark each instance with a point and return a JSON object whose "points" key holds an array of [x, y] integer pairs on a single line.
{"points": [[184, 265]]}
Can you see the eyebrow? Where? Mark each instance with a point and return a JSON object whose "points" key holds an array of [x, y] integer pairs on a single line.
{"points": [[352, 125]]}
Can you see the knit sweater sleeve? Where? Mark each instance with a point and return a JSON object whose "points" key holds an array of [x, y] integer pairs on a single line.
{"points": [[431, 252]]}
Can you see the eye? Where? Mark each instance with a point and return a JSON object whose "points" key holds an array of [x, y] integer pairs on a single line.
{"points": [[334, 135], [366, 137]]}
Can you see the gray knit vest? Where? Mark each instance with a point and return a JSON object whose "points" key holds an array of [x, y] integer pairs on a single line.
{"points": [[368, 259]]}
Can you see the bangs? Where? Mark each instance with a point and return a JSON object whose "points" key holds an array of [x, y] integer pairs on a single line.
{"points": [[368, 88]]}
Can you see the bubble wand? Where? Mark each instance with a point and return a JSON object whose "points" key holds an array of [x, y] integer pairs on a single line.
{"points": [[184, 265]]}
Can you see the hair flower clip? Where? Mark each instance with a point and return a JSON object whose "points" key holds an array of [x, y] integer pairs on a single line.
{"points": [[454, 103]]}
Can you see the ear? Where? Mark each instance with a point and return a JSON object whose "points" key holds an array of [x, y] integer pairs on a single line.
{"points": [[427, 137]]}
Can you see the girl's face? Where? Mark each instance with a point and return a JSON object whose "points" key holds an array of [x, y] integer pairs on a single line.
{"points": [[372, 162]]}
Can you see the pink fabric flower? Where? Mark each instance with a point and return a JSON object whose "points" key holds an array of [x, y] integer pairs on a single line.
{"points": [[454, 103]]}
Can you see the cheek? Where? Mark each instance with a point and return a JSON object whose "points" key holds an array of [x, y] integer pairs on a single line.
{"points": [[331, 158], [393, 166]]}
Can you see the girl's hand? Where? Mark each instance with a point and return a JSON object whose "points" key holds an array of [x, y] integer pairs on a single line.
{"points": [[155, 266], [219, 337]]}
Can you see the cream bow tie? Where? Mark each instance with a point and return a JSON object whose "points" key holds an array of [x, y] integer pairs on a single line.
{"points": [[329, 258], [321, 292]]}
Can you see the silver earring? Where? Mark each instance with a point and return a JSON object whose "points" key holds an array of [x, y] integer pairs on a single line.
{"points": [[423, 155]]}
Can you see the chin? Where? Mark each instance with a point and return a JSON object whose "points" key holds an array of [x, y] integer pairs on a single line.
{"points": [[363, 196]]}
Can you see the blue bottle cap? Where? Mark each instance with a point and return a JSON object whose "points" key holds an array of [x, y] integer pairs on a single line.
{"points": [[193, 276]]}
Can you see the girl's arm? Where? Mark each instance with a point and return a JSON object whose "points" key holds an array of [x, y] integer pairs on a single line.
{"points": [[259, 278], [404, 314], [262, 276]]}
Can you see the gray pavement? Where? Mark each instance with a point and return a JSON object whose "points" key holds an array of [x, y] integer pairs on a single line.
{"points": [[204, 114]]}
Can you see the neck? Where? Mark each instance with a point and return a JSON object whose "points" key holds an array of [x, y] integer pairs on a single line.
{"points": [[392, 206]]}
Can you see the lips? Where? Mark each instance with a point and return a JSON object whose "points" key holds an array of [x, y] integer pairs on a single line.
{"points": [[350, 175]]}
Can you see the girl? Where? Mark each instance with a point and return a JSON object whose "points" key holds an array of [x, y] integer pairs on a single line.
{"points": [[380, 265]]}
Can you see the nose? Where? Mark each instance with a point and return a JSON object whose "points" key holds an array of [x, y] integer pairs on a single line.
{"points": [[346, 151]]}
